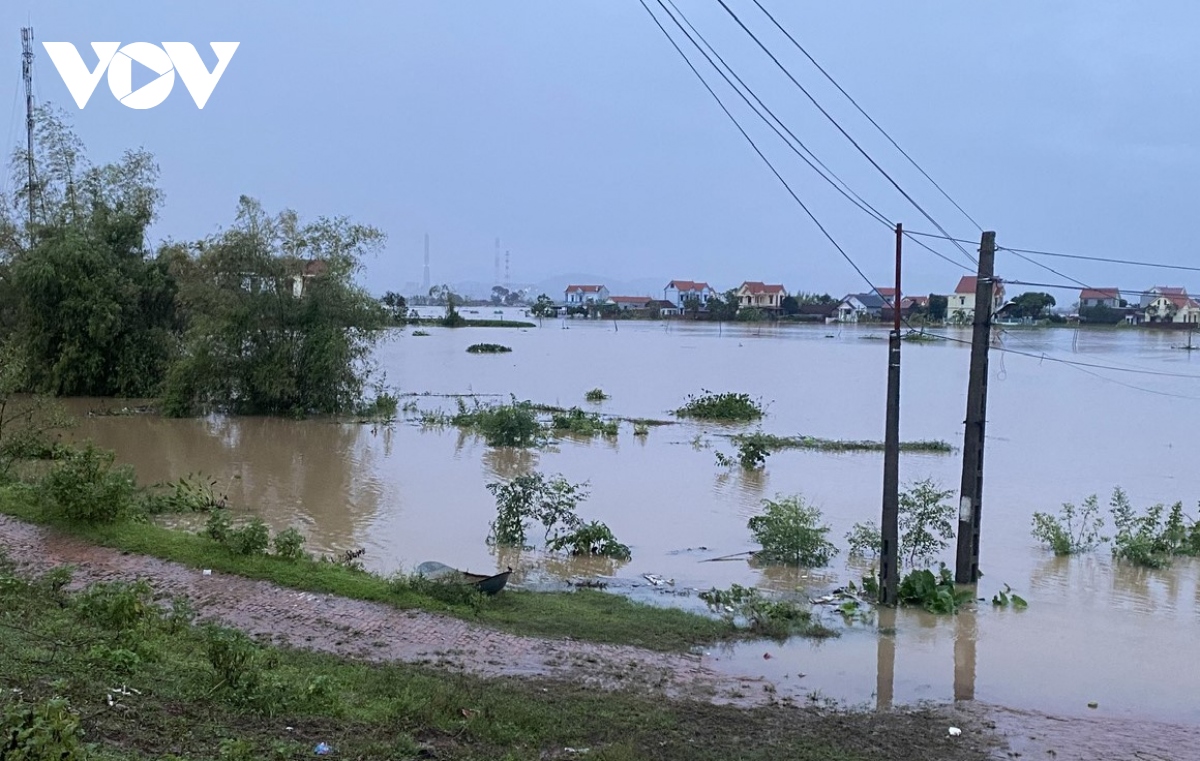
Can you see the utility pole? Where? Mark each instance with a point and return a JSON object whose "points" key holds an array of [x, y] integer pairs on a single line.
{"points": [[889, 581], [27, 76], [970, 504]]}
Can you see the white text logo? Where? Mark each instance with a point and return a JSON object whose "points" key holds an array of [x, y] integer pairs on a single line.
{"points": [[118, 61]]}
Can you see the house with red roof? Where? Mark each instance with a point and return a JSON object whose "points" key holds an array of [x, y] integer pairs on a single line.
{"points": [[755, 294], [1171, 304], [960, 305], [626, 303], [678, 291], [1100, 297], [581, 295]]}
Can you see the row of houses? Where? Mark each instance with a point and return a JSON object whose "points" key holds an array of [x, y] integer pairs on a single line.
{"points": [[1160, 304], [678, 295]]}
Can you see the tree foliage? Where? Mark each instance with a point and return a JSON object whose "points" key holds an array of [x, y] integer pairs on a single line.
{"points": [[1032, 304], [276, 322]]}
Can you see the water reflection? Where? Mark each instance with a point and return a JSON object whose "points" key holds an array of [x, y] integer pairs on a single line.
{"points": [[966, 635], [506, 463], [885, 658]]}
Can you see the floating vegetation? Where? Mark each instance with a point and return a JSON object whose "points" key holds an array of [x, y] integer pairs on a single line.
{"points": [[488, 349], [419, 333], [596, 395], [768, 617], [503, 425], [727, 407], [771, 442]]}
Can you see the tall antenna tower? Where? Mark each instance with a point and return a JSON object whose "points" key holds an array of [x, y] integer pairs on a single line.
{"points": [[497, 275], [507, 280], [27, 75], [425, 279]]}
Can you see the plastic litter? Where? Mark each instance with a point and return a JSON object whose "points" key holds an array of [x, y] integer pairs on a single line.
{"points": [[955, 731], [322, 749], [206, 572], [1093, 704]]}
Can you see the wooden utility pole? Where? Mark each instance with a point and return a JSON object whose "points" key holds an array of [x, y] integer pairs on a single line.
{"points": [[966, 569], [889, 582]]}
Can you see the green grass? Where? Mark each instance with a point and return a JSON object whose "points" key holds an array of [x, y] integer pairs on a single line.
{"points": [[54, 644], [584, 614], [775, 443], [437, 321]]}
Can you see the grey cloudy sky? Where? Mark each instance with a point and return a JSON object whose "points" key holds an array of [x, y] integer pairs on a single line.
{"points": [[573, 131]]}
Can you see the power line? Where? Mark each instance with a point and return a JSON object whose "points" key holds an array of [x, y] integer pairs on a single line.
{"points": [[882, 131], [857, 200], [753, 144], [1128, 262], [938, 254], [846, 134], [1066, 287]]}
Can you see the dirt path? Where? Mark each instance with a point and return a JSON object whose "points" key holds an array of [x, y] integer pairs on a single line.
{"points": [[378, 632]]}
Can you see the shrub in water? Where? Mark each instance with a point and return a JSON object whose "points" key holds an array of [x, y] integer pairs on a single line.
{"points": [[593, 538], [729, 407], [507, 425], [488, 349], [1073, 530], [84, 486], [595, 395], [533, 497], [934, 593], [1146, 539], [792, 532]]}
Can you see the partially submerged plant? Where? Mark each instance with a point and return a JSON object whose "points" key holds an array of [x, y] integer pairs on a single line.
{"points": [[583, 423], [727, 407], [551, 502], [593, 538], [1006, 597], [511, 425], [488, 349], [762, 615], [1146, 539], [595, 395], [935, 593], [791, 532], [1074, 530], [926, 526]]}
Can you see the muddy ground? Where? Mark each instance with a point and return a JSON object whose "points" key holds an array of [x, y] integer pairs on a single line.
{"points": [[376, 632]]}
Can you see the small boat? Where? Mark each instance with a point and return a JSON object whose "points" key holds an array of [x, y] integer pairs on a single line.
{"points": [[489, 585]]}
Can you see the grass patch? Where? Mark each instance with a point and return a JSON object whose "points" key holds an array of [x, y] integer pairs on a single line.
{"points": [[772, 443], [727, 407], [204, 693], [585, 615], [508, 425], [488, 349]]}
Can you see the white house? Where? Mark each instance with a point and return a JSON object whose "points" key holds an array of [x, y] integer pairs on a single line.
{"points": [[677, 291], [626, 303], [1172, 305], [857, 306], [579, 295], [960, 305]]}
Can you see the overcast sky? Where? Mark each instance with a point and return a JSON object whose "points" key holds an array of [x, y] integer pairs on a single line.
{"points": [[575, 133]]}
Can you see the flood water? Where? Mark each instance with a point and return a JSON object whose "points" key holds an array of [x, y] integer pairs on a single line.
{"points": [[1094, 630]]}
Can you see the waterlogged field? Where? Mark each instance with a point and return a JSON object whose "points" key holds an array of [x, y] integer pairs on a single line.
{"points": [[1094, 631]]}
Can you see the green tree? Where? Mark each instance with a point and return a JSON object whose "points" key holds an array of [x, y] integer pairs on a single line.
{"points": [[1032, 304], [543, 307], [499, 294], [724, 308], [937, 307], [396, 305], [790, 305], [691, 306], [90, 310], [277, 323]]}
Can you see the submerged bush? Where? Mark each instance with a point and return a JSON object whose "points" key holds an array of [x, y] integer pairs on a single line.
{"points": [[85, 486], [583, 423], [595, 395], [925, 523], [529, 498], [729, 407], [935, 593], [508, 425], [1074, 530], [487, 349], [1149, 540], [593, 538], [791, 532]]}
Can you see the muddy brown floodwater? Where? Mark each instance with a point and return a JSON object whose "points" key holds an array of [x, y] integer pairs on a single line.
{"points": [[1094, 631]]}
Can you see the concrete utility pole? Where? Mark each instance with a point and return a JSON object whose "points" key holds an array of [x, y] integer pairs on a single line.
{"points": [[889, 572], [970, 504]]}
